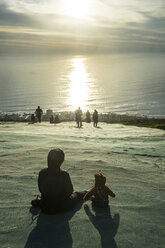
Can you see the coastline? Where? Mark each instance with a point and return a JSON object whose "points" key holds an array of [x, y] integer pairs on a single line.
{"points": [[109, 118]]}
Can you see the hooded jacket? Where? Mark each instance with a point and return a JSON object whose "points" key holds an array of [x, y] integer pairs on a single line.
{"points": [[54, 184]]}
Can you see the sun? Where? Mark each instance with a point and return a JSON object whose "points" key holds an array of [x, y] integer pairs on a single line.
{"points": [[76, 8]]}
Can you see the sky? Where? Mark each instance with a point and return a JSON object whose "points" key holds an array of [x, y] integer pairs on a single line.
{"points": [[82, 26]]}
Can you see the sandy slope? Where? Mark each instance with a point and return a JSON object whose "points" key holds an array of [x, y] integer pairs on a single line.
{"points": [[132, 159]]}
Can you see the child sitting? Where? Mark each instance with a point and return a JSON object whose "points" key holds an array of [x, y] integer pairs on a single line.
{"points": [[56, 187], [99, 192]]}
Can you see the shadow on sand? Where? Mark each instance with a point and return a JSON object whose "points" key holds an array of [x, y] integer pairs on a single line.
{"points": [[105, 224], [51, 231]]}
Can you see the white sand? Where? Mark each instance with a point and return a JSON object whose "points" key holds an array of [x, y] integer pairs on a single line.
{"points": [[131, 158]]}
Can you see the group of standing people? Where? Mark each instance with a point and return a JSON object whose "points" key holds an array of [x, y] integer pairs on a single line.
{"points": [[79, 113]]}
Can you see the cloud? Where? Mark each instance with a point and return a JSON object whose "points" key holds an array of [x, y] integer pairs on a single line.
{"points": [[115, 25], [12, 18]]}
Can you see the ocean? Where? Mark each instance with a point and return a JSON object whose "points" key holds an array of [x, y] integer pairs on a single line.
{"points": [[120, 83]]}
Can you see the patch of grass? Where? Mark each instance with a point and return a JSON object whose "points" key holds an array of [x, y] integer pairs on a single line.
{"points": [[150, 123]]}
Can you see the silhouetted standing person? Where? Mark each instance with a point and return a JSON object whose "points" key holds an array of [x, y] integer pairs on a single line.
{"points": [[39, 113], [79, 117], [95, 118], [88, 117]]}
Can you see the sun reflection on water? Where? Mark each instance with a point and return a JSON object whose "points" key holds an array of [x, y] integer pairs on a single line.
{"points": [[79, 84]]}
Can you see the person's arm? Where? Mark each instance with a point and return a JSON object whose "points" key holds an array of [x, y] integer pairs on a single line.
{"points": [[68, 185], [40, 179], [110, 192], [89, 193]]}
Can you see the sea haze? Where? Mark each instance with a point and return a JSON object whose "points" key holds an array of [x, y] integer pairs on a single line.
{"points": [[121, 83]]}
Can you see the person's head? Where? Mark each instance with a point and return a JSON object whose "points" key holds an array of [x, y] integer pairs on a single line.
{"points": [[55, 158], [100, 180]]}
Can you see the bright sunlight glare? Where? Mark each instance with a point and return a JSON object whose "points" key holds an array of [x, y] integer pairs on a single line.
{"points": [[79, 84], [76, 8]]}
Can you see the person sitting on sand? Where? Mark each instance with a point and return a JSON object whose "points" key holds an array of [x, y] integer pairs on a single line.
{"points": [[99, 192], [56, 119], [51, 120], [33, 119], [56, 187]]}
